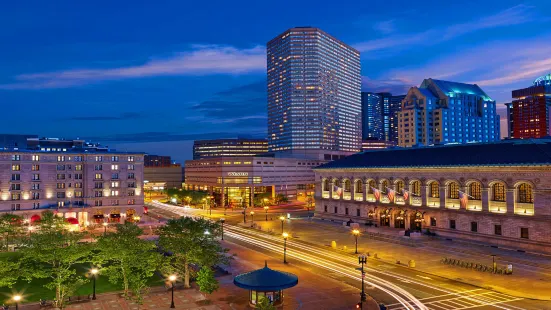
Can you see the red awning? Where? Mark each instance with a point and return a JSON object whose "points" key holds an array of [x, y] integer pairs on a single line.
{"points": [[35, 218], [145, 210], [72, 220]]}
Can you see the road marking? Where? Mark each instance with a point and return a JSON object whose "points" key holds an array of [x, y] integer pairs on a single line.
{"points": [[424, 277]]}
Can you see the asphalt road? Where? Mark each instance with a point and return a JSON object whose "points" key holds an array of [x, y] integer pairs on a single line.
{"points": [[394, 286]]}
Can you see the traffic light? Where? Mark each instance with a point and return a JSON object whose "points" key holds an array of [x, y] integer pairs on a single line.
{"points": [[359, 305]]}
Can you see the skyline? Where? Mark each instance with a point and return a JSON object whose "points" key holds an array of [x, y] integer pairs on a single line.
{"points": [[108, 76]]}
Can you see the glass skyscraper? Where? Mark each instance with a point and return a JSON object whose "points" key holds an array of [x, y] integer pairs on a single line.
{"points": [[314, 92], [372, 117]]}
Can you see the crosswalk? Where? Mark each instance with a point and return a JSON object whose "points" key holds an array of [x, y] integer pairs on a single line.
{"points": [[470, 299]]}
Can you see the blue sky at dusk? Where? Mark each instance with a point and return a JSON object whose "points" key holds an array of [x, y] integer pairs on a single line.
{"points": [[153, 76]]}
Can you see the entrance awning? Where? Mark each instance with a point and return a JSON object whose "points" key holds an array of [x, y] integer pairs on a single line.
{"points": [[72, 220], [35, 218]]}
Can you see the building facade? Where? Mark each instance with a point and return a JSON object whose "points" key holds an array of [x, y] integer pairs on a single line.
{"points": [[233, 180], [500, 197], [374, 144], [171, 176], [229, 147], [314, 92], [372, 117], [528, 113], [157, 161], [88, 186], [441, 112]]}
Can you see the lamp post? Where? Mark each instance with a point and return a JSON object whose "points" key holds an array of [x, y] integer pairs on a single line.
{"points": [[17, 298], [222, 220], [30, 230], [362, 259], [356, 233], [266, 208], [94, 272], [252, 218], [282, 219], [104, 228], [172, 279], [285, 236], [493, 263]]}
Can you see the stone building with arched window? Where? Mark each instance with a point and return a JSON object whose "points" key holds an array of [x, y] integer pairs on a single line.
{"points": [[493, 193]]}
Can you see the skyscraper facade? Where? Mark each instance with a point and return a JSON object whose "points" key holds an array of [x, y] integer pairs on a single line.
{"points": [[314, 87], [447, 112], [528, 113], [372, 126]]}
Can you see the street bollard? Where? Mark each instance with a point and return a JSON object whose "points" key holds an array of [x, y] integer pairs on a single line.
{"points": [[334, 244], [411, 263], [376, 256]]}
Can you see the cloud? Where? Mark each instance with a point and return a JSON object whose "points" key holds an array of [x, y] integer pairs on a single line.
{"points": [[162, 136], [396, 86], [516, 15], [123, 116], [385, 27], [200, 60]]}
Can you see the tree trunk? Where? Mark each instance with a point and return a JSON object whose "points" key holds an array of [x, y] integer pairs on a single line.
{"points": [[125, 282], [186, 275]]}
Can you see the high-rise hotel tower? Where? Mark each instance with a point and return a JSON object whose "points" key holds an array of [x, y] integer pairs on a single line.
{"points": [[314, 93]]}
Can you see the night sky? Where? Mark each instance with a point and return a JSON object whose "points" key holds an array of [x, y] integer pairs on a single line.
{"points": [[154, 75]]}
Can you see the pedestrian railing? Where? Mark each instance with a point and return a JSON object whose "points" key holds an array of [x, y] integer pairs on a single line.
{"points": [[506, 270]]}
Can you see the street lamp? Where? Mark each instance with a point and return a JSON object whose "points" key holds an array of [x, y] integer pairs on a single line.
{"points": [[252, 218], [17, 299], [282, 219], [30, 228], [266, 209], [222, 220], [94, 272], [172, 279], [104, 228], [362, 259], [285, 236], [356, 233]]}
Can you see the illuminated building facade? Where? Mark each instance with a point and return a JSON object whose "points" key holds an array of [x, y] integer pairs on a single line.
{"points": [[82, 185], [229, 147], [374, 144], [372, 117], [497, 193], [441, 112], [231, 180], [528, 113], [314, 92]]}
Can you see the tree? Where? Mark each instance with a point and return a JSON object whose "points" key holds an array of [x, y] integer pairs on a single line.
{"points": [[10, 226], [192, 242], [206, 280], [264, 304], [127, 259], [8, 276], [52, 253], [280, 198]]}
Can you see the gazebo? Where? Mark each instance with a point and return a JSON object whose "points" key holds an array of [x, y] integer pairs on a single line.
{"points": [[267, 283]]}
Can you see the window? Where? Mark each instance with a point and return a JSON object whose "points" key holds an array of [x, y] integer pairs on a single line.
{"points": [[131, 167], [131, 176], [98, 185], [524, 193], [114, 193], [15, 167], [78, 194], [35, 167], [131, 193], [130, 158], [35, 196], [36, 177], [15, 206], [432, 221], [357, 212], [15, 177], [399, 187], [131, 201], [384, 186], [497, 230], [524, 232], [35, 186], [434, 190], [78, 167], [98, 176], [78, 158], [132, 184], [60, 177], [78, 185], [98, 203], [36, 157], [60, 185], [346, 211], [416, 188], [114, 158], [452, 224], [60, 167], [98, 158], [324, 208], [114, 167], [36, 205], [78, 176], [453, 190], [61, 158], [498, 192], [115, 184], [98, 167], [98, 194], [475, 191], [114, 176], [16, 157], [474, 226], [60, 194], [335, 210], [15, 187]]}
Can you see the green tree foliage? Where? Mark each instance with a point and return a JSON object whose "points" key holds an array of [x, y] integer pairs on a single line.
{"points": [[51, 253], [192, 242], [191, 197], [8, 271], [128, 259], [10, 228], [264, 304], [280, 198], [206, 280], [259, 199]]}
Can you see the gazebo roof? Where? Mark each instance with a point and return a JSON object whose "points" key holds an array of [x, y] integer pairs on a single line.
{"points": [[265, 279]]}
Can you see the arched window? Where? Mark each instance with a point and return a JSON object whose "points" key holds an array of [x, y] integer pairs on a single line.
{"points": [[371, 185], [346, 185], [326, 185], [475, 191], [359, 186], [498, 192], [399, 187], [384, 185], [524, 193], [416, 188], [434, 190], [453, 190], [337, 182]]}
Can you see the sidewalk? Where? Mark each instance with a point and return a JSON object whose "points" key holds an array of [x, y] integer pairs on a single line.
{"points": [[531, 277]]}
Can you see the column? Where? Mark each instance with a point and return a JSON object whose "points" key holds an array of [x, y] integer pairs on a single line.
{"points": [[251, 196], [485, 199], [442, 196], [223, 197], [407, 219], [424, 195], [510, 200]]}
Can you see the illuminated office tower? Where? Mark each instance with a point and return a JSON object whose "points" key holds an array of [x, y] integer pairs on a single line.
{"points": [[314, 93]]}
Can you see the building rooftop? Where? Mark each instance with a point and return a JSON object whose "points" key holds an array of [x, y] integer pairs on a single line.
{"points": [[72, 151], [266, 280], [543, 80], [455, 87], [528, 152]]}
